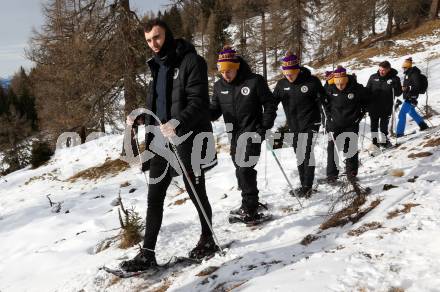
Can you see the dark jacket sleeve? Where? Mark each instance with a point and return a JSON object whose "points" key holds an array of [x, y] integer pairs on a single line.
{"points": [[397, 86], [370, 84], [269, 104], [365, 98], [277, 94], [214, 106], [196, 91], [415, 84]]}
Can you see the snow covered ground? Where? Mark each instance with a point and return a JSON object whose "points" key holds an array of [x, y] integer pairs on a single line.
{"points": [[385, 251]]}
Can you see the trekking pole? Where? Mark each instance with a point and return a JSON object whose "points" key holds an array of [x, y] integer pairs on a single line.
{"points": [[139, 155], [363, 132], [421, 112], [331, 135], [284, 173], [185, 173], [393, 114], [265, 167], [427, 76]]}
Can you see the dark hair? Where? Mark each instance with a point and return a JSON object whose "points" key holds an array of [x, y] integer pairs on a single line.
{"points": [[385, 64], [148, 26]]}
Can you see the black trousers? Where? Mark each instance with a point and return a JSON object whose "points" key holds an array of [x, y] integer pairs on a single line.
{"points": [[247, 176], [306, 169], [156, 197], [352, 163], [379, 123]]}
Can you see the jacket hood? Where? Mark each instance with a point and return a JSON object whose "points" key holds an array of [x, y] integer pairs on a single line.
{"points": [[183, 47], [413, 70], [180, 48], [244, 71]]}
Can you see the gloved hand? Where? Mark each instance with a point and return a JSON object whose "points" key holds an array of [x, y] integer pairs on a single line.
{"points": [[262, 133], [398, 103], [414, 101]]}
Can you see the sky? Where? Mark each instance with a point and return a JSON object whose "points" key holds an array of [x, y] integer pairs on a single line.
{"points": [[19, 17]]}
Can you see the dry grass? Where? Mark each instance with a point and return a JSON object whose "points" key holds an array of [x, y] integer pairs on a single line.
{"points": [[406, 209], [352, 213], [227, 287], [396, 289], [207, 271], [163, 287], [432, 142], [114, 280], [110, 167], [397, 172], [45, 176], [364, 228], [125, 184], [309, 239], [370, 48], [180, 202], [419, 155]]}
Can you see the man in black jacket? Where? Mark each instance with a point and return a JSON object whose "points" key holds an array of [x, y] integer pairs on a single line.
{"points": [[383, 86], [240, 97], [179, 96], [412, 84], [301, 94], [345, 106]]}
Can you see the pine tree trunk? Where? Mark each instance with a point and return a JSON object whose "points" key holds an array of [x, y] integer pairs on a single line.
{"points": [[339, 48], [263, 44], [433, 12], [299, 32], [359, 34], [389, 30], [101, 116], [373, 19], [130, 60]]}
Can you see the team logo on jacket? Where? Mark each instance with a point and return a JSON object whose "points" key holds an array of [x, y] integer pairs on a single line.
{"points": [[389, 81], [286, 88], [304, 89], [245, 90], [176, 73], [350, 96], [224, 92]]}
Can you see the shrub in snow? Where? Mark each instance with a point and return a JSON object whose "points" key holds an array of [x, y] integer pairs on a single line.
{"points": [[40, 154]]}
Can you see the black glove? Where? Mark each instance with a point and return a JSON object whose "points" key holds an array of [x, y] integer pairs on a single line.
{"points": [[398, 103], [413, 101], [262, 133]]}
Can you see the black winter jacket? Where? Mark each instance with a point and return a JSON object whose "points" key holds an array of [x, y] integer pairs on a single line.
{"points": [[345, 109], [412, 82], [381, 90], [301, 101], [246, 102], [187, 91]]}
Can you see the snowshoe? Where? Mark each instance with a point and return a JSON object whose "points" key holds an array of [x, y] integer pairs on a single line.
{"points": [[144, 260], [241, 211], [248, 217], [386, 145], [303, 192], [205, 248], [256, 219]]}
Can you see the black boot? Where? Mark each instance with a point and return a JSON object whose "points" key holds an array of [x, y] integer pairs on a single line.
{"points": [[304, 192], [332, 180], [375, 143], [144, 260], [423, 126], [387, 144], [205, 247]]}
